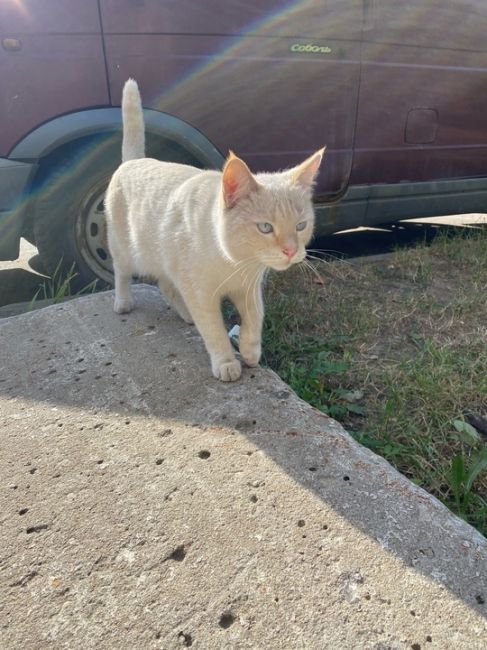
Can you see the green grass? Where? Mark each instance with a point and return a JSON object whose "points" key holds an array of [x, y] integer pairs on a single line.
{"points": [[59, 286], [396, 351]]}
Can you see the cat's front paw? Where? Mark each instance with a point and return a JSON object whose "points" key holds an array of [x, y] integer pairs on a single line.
{"points": [[250, 354], [229, 371], [123, 306]]}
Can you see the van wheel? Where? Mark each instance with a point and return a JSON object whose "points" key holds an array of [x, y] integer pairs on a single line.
{"points": [[69, 226]]}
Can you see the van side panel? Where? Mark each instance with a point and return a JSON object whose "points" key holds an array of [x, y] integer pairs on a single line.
{"points": [[423, 94], [58, 68], [270, 80], [310, 18]]}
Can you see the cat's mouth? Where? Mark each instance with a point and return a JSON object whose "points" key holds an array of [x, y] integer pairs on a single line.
{"points": [[283, 264]]}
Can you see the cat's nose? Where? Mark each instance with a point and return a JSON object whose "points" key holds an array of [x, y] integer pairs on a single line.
{"points": [[290, 251]]}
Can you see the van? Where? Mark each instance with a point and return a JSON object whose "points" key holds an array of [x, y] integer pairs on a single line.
{"points": [[396, 90]]}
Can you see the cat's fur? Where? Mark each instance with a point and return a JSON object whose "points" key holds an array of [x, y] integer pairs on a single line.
{"points": [[197, 232]]}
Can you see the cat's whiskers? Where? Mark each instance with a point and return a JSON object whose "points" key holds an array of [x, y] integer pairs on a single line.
{"points": [[309, 266], [253, 284], [325, 250], [242, 266], [335, 258], [304, 270], [260, 306], [246, 281], [333, 269], [245, 274]]}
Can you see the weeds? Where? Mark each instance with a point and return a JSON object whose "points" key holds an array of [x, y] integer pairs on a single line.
{"points": [[467, 504], [58, 287]]}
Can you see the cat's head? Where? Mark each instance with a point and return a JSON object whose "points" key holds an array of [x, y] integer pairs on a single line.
{"points": [[268, 218]]}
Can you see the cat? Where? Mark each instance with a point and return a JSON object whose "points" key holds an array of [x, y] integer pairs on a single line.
{"points": [[205, 235]]}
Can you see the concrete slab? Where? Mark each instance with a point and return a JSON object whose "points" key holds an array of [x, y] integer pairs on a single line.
{"points": [[146, 505]]}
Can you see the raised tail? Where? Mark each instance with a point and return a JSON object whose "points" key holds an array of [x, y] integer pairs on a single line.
{"points": [[133, 143]]}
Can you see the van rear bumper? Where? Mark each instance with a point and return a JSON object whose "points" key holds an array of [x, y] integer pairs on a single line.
{"points": [[14, 179]]}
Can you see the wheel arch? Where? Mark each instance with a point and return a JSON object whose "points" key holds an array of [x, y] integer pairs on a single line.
{"points": [[65, 129], [71, 136]]}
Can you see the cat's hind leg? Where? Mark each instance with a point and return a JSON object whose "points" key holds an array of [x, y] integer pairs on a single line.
{"points": [[119, 245], [124, 301], [175, 299]]}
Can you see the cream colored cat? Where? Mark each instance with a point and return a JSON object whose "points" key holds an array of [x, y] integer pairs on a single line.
{"points": [[205, 235]]}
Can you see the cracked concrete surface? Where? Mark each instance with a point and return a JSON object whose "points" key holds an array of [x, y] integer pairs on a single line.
{"points": [[146, 505]]}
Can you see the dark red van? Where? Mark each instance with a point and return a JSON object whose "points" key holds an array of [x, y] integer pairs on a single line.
{"points": [[396, 90]]}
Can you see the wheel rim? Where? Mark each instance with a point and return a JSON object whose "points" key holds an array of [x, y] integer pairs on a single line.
{"points": [[91, 233]]}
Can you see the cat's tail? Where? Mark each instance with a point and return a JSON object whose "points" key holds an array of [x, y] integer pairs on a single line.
{"points": [[133, 143]]}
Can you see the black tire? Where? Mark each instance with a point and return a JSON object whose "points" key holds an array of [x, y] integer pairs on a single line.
{"points": [[69, 226]]}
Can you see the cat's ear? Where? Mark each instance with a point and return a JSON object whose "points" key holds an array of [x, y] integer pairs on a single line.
{"points": [[237, 181], [305, 173]]}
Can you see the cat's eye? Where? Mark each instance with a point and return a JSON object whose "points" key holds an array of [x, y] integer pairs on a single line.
{"points": [[301, 225], [265, 228]]}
